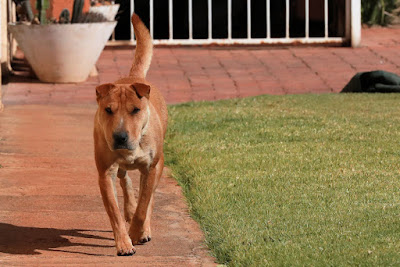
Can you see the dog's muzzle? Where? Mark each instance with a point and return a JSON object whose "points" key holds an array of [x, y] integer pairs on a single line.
{"points": [[121, 141]]}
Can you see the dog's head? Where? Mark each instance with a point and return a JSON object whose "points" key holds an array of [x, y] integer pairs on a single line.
{"points": [[123, 113]]}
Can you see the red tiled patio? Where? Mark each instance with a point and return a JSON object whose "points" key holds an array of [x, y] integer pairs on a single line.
{"points": [[212, 73]]}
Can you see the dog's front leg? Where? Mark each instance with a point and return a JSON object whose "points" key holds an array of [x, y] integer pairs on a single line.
{"points": [[107, 188], [140, 228], [129, 196]]}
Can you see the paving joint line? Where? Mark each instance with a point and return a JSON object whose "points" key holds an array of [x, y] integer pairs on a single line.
{"points": [[383, 57], [252, 74], [238, 94], [268, 69], [311, 69], [229, 75], [345, 61], [185, 73], [209, 78], [115, 62]]}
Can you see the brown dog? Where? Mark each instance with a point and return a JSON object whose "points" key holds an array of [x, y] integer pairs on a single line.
{"points": [[129, 130]]}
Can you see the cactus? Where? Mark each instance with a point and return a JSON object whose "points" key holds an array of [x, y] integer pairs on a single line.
{"points": [[77, 11], [64, 16], [42, 6], [26, 5]]}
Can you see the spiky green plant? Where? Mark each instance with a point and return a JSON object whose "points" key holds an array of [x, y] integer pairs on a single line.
{"points": [[26, 5], [375, 11], [64, 16], [77, 11], [42, 6]]}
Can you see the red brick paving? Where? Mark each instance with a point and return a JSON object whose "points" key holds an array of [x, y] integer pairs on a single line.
{"points": [[51, 212], [194, 74]]}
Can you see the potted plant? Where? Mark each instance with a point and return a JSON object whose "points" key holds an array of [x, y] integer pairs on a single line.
{"points": [[63, 50], [107, 8]]}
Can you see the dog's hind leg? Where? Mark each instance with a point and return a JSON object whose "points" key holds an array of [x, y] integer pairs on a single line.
{"points": [[146, 225], [140, 227], [129, 196]]}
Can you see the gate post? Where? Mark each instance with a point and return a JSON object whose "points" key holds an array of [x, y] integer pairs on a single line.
{"points": [[355, 23]]}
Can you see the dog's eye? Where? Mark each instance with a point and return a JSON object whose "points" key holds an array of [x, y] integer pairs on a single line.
{"points": [[135, 110], [108, 110]]}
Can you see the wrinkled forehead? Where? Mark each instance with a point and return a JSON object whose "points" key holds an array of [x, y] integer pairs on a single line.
{"points": [[122, 95]]}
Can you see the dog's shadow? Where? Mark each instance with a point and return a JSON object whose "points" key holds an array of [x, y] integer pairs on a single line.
{"points": [[27, 240]]}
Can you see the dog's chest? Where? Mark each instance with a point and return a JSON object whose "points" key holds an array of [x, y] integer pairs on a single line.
{"points": [[137, 160]]}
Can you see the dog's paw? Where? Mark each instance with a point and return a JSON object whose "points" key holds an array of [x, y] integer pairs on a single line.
{"points": [[125, 248], [140, 237], [141, 240], [145, 239]]}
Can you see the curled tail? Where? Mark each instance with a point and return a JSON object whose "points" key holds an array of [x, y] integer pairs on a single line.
{"points": [[144, 49]]}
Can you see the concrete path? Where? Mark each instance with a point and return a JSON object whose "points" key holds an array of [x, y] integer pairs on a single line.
{"points": [[193, 74], [51, 210]]}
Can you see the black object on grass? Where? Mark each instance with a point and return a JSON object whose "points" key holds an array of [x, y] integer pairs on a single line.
{"points": [[377, 81]]}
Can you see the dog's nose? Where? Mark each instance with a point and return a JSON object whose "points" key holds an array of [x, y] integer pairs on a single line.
{"points": [[120, 138]]}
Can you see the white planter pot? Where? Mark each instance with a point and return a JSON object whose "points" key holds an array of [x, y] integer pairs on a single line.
{"points": [[62, 53], [108, 11]]}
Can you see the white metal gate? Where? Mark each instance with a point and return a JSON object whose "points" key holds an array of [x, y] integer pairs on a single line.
{"points": [[352, 21]]}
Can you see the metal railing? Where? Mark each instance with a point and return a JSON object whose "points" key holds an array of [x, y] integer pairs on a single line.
{"points": [[352, 26]]}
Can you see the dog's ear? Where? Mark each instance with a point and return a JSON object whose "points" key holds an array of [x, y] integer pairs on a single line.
{"points": [[103, 89], [141, 89]]}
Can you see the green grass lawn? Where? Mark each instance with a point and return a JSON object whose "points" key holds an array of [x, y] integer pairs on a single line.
{"points": [[292, 180]]}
